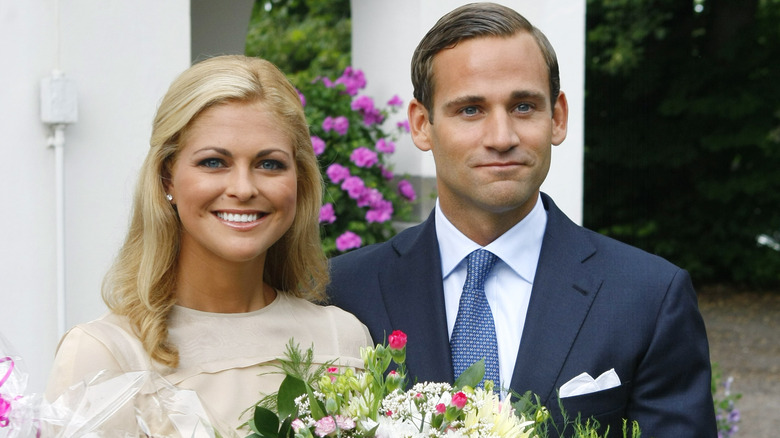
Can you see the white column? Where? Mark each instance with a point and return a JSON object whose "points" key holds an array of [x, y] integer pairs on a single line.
{"points": [[385, 34]]}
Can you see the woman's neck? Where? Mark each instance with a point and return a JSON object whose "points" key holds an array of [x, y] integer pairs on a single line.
{"points": [[221, 286]]}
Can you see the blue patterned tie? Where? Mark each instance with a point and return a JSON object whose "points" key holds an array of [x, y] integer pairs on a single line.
{"points": [[474, 335]]}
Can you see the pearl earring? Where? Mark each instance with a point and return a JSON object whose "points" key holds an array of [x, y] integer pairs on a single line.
{"points": [[169, 197]]}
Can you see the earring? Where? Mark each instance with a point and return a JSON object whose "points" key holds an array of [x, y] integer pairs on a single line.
{"points": [[169, 197]]}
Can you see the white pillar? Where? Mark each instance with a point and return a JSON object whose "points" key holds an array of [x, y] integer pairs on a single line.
{"points": [[385, 34]]}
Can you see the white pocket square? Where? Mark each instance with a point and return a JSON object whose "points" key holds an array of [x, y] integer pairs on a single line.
{"points": [[585, 384]]}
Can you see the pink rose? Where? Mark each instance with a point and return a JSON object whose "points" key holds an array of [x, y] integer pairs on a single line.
{"points": [[440, 408], [459, 400], [397, 340], [298, 424]]}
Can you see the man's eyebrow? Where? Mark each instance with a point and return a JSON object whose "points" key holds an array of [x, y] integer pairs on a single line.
{"points": [[464, 100], [528, 94]]}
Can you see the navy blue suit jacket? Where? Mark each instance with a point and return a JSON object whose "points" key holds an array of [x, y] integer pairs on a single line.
{"points": [[596, 304]]}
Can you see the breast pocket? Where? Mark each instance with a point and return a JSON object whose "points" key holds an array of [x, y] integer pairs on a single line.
{"points": [[608, 407]]}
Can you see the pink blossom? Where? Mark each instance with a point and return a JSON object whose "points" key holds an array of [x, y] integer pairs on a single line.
{"points": [[348, 240], [395, 101], [325, 426], [370, 197], [327, 214], [341, 125], [353, 80], [386, 173], [302, 97], [327, 124], [362, 103], [440, 408], [298, 424], [372, 116], [406, 190], [403, 125], [318, 144], [354, 186], [337, 173], [385, 146], [397, 340], [345, 423], [363, 157], [459, 400], [333, 370], [381, 212], [389, 413]]}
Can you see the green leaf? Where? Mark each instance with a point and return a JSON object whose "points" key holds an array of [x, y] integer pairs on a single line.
{"points": [[315, 405], [266, 423], [290, 389], [472, 376]]}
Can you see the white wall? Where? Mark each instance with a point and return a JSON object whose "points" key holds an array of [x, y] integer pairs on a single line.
{"points": [[122, 56], [385, 34]]}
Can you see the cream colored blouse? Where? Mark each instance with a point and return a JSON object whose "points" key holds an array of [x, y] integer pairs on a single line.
{"points": [[225, 358]]}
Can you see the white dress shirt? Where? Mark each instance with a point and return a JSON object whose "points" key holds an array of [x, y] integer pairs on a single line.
{"points": [[507, 287]]}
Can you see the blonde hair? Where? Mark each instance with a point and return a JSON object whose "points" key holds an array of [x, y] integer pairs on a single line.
{"points": [[141, 282]]}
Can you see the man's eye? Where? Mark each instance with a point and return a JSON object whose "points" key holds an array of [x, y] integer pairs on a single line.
{"points": [[212, 163], [524, 107], [470, 110]]}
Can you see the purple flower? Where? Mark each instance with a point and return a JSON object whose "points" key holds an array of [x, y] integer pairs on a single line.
{"points": [[337, 173], [403, 125], [363, 157], [318, 144], [395, 101], [348, 240], [327, 124], [327, 214], [382, 211], [301, 96], [369, 197], [385, 146], [341, 125], [386, 173], [372, 116], [353, 80], [406, 190], [354, 186], [362, 103]]}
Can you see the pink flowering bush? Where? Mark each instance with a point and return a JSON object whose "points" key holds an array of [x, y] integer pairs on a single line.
{"points": [[363, 195]]}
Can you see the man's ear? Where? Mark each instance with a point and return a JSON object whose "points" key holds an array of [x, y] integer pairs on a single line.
{"points": [[419, 125], [560, 119]]}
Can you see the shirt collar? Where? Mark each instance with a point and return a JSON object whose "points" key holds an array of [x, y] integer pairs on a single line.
{"points": [[519, 247]]}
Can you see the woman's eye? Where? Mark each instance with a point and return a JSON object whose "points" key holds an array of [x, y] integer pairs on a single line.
{"points": [[212, 163], [272, 165]]}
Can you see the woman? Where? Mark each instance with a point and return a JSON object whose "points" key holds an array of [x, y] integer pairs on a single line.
{"points": [[223, 254]]}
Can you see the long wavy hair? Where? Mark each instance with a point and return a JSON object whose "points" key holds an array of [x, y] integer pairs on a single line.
{"points": [[141, 282]]}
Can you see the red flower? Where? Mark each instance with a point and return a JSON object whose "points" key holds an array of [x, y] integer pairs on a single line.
{"points": [[397, 340], [459, 399], [440, 408]]}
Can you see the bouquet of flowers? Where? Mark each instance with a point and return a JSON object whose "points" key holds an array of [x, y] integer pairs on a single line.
{"points": [[335, 402]]}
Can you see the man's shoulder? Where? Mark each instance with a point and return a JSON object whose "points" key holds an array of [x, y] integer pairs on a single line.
{"points": [[377, 252]]}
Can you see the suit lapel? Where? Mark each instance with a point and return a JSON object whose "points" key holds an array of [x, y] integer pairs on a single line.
{"points": [[413, 294], [562, 295]]}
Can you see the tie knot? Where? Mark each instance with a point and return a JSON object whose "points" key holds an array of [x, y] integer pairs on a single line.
{"points": [[480, 262]]}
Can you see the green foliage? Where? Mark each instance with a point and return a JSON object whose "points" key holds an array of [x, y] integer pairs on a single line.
{"points": [[304, 38], [682, 145]]}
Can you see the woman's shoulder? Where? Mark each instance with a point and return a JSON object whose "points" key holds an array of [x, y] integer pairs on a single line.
{"points": [[331, 322]]}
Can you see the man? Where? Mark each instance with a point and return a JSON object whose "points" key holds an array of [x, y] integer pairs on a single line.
{"points": [[563, 300]]}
